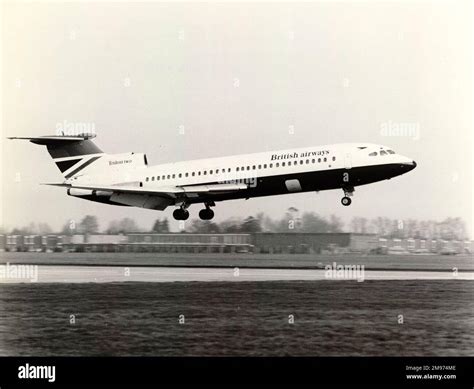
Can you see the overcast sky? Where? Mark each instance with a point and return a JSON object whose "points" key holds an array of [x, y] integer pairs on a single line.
{"points": [[235, 78]]}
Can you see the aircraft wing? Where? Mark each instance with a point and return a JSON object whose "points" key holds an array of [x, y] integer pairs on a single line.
{"points": [[172, 191], [158, 198]]}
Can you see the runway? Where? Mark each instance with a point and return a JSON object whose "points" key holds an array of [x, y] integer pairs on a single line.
{"points": [[118, 274]]}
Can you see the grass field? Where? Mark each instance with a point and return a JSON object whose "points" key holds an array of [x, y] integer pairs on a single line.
{"points": [[389, 262], [244, 319]]}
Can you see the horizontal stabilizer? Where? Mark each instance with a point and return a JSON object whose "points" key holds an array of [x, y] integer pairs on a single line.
{"points": [[71, 153], [55, 139]]}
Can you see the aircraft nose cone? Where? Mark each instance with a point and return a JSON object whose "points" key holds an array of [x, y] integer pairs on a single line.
{"points": [[408, 165]]}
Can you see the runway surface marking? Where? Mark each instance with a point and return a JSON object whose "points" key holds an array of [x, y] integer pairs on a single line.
{"points": [[104, 274]]}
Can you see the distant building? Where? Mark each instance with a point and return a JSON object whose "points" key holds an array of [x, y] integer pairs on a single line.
{"points": [[424, 246], [312, 243], [52, 242], [3, 242], [95, 243], [191, 243], [264, 242], [33, 243], [15, 243]]}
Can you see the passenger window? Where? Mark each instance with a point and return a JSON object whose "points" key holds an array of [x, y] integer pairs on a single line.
{"points": [[217, 171], [174, 175], [254, 167], [319, 159], [168, 176], [283, 164], [153, 178], [158, 178], [162, 177], [289, 163], [265, 166], [186, 174], [248, 167], [237, 168], [205, 172], [373, 154], [333, 158], [325, 159], [277, 164], [307, 161], [147, 179], [271, 165], [229, 170], [259, 166], [199, 173], [313, 160], [180, 175], [193, 174]]}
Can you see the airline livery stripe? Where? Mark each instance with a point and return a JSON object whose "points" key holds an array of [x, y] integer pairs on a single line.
{"points": [[65, 165], [82, 167], [71, 158]]}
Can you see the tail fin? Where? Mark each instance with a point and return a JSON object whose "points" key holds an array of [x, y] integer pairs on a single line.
{"points": [[70, 153]]}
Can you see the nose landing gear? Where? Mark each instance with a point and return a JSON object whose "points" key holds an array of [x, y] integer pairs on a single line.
{"points": [[346, 201], [348, 193]]}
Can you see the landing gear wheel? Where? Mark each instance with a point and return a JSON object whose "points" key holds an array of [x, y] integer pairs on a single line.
{"points": [[206, 214], [346, 201], [177, 214], [180, 214]]}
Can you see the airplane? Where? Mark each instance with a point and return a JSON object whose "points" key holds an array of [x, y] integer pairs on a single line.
{"points": [[127, 179]]}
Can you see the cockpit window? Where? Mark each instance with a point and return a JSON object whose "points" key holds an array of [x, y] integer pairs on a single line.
{"points": [[383, 152], [390, 151], [373, 154]]}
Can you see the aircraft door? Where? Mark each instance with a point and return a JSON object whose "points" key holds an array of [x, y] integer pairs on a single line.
{"points": [[293, 185]]}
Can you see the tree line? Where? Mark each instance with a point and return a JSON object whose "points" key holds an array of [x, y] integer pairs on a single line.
{"points": [[292, 221]]}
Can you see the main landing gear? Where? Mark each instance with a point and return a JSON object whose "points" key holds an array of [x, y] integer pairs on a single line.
{"points": [[348, 193], [181, 213], [207, 213]]}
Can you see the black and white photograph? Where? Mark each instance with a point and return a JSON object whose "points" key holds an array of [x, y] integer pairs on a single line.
{"points": [[275, 189]]}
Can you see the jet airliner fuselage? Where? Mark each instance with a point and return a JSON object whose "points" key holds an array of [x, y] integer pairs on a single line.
{"points": [[127, 179]]}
